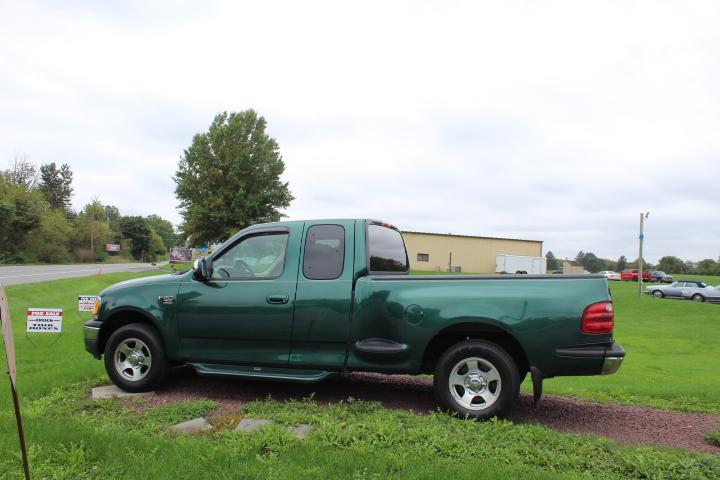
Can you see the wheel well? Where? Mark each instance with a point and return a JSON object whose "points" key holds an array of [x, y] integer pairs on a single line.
{"points": [[457, 333], [116, 321]]}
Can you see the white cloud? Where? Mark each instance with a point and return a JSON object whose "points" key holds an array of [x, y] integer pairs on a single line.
{"points": [[559, 121]]}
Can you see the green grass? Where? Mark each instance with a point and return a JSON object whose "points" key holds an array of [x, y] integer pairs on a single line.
{"points": [[73, 437], [179, 267], [673, 353], [672, 362], [714, 438], [46, 361]]}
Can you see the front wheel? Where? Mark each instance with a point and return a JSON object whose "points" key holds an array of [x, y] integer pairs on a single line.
{"points": [[135, 358], [698, 298], [477, 379]]}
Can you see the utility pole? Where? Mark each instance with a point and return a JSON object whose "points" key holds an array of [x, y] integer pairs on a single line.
{"points": [[92, 230], [643, 216]]}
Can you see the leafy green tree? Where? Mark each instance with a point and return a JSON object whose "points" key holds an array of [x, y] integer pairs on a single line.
{"points": [[163, 228], [56, 185], [621, 263], [21, 172], [580, 257], [21, 212], [706, 267], [552, 262], [138, 232], [670, 264], [157, 247], [93, 232], [229, 178]]}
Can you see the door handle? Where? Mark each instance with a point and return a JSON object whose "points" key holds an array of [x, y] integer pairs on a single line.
{"points": [[277, 298]]}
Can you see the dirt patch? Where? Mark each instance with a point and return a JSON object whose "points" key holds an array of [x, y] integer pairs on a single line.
{"points": [[626, 424]]}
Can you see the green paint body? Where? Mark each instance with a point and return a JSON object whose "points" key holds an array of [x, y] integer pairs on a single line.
{"points": [[228, 327]]}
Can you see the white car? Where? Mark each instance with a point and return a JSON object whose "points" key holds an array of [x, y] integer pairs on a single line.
{"points": [[610, 275]]}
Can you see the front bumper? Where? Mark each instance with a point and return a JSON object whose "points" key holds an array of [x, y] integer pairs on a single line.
{"points": [[91, 334], [611, 355]]}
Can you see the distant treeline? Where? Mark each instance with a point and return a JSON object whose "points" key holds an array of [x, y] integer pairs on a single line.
{"points": [[37, 223], [667, 264]]}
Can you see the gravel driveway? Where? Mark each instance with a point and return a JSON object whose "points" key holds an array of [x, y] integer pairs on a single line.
{"points": [[626, 424]]}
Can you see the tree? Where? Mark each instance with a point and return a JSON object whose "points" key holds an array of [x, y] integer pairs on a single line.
{"points": [[56, 185], [229, 178], [137, 231], [21, 172], [580, 257], [552, 263], [157, 247], [707, 266], [163, 228], [670, 264], [621, 263]]}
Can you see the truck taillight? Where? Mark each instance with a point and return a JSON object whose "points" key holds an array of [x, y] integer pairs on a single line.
{"points": [[598, 318]]}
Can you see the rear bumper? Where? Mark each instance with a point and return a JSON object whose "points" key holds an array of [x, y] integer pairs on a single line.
{"points": [[91, 334], [609, 356]]}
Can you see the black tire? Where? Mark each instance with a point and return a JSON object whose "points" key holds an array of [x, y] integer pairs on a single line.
{"points": [[509, 379], [656, 292], [145, 340], [698, 298]]}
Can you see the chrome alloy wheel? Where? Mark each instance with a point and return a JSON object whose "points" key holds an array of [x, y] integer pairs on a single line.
{"points": [[475, 383], [133, 359]]}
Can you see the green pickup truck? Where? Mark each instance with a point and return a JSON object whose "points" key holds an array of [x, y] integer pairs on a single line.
{"points": [[306, 300]]}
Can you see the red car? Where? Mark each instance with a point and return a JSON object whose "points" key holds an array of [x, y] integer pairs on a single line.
{"points": [[631, 274]]}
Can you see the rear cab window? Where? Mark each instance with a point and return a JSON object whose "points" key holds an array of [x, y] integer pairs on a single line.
{"points": [[324, 254], [386, 250]]}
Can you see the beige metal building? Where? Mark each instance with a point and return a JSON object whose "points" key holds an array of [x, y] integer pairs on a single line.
{"points": [[571, 266], [472, 254]]}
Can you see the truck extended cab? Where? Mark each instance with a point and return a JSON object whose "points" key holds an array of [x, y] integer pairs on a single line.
{"points": [[306, 300]]}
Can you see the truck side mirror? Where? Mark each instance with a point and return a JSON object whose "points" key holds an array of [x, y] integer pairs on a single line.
{"points": [[202, 271]]}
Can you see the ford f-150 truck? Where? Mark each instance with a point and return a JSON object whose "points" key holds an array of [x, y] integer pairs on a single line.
{"points": [[306, 300]]}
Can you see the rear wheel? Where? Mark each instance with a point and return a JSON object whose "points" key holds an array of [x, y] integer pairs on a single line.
{"points": [[135, 358], [658, 294], [477, 379], [698, 298]]}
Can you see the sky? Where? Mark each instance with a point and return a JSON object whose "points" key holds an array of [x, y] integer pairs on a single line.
{"points": [[555, 121]]}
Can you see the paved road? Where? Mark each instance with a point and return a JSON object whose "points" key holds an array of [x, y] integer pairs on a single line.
{"points": [[13, 275]]}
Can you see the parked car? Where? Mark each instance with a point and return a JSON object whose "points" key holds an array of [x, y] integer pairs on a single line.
{"points": [[337, 297], [610, 275], [632, 274], [662, 277], [707, 294], [679, 289]]}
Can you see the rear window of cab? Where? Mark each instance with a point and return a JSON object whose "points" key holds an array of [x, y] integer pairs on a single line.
{"points": [[386, 250]]}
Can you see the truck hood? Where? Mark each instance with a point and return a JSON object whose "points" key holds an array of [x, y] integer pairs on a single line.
{"points": [[144, 281]]}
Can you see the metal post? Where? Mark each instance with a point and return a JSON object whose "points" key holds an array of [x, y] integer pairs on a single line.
{"points": [[640, 258], [21, 431]]}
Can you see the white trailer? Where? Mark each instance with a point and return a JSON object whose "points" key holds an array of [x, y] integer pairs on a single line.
{"points": [[520, 264]]}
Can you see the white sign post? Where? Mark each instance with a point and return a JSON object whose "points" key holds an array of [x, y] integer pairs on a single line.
{"points": [[9, 342], [44, 320], [86, 303]]}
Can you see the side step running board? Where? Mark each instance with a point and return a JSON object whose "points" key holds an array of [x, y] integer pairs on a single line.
{"points": [[267, 373]]}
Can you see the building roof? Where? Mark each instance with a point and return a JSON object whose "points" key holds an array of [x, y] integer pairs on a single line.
{"points": [[473, 236]]}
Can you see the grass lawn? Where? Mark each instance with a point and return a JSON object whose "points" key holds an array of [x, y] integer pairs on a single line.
{"points": [[673, 358], [673, 354], [179, 267]]}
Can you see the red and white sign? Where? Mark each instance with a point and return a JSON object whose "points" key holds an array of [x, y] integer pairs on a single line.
{"points": [[112, 247], [44, 320]]}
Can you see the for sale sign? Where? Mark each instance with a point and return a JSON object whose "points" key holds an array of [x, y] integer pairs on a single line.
{"points": [[86, 303], [44, 320], [112, 247]]}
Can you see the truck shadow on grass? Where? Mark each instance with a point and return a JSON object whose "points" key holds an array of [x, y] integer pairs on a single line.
{"points": [[626, 424]]}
